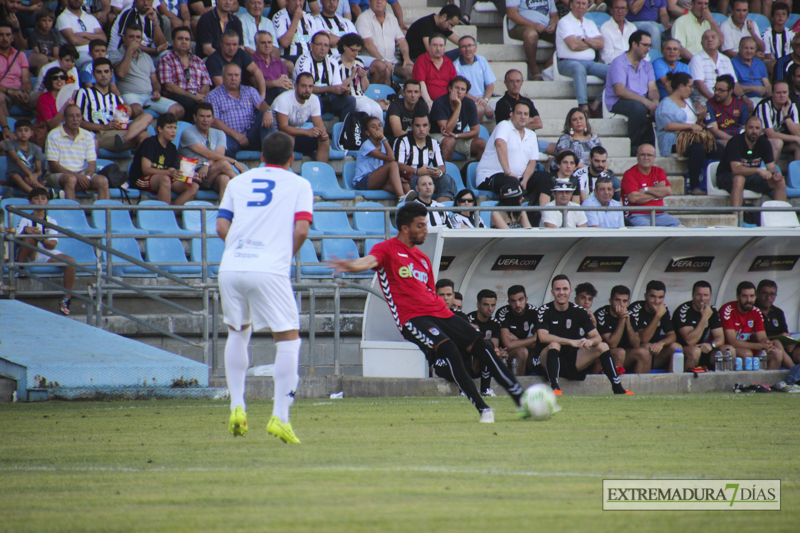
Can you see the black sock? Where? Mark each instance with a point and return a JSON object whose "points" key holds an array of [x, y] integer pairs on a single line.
{"points": [[553, 366], [483, 349], [611, 372], [449, 351], [486, 379]]}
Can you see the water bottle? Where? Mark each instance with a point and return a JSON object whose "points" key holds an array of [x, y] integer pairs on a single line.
{"points": [[677, 361], [727, 365], [718, 362], [762, 356]]}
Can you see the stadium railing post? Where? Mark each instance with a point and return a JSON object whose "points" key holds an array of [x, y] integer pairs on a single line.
{"points": [[337, 369], [312, 329]]}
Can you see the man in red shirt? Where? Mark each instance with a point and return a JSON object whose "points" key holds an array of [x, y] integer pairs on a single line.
{"points": [[434, 70], [743, 327], [406, 278], [646, 184]]}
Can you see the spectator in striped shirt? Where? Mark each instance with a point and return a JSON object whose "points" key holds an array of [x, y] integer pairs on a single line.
{"points": [[295, 28], [100, 107], [143, 16], [184, 77], [418, 155], [253, 22], [334, 95], [777, 38], [781, 69], [781, 121], [97, 49], [72, 158], [334, 24], [354, 75]]}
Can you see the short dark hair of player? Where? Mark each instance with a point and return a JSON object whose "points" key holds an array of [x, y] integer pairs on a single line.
{"points": [[420, 114], [47, 12], [564, 154], [586, 288], [23, 123], [702, 284], [515, 289], [778, 6], [727, 79], [456, 80], [132, 27], [68, 50], [94, 43], [176, 31], [743, 286], [655, 285], [36, 191], [406, 214], [302, 75], [636, 37], [458, 296], [52, 73], [203, 106], [763, 284], [525, 104], [277, 148], [597, 150], [102, 61], [165, 119], [559, 278], [620, 290], [411, 81], [349, 40], [444, 282], [486, 293], [6, 24], [451, 10]]}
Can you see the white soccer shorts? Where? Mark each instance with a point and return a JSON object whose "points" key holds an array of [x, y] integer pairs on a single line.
{"points": [[260, 299], [44, 258]]}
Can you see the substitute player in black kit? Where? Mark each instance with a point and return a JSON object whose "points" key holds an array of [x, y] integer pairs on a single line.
{"points": [[518, 329], [569, 341], [483, 320], [406, 278]]}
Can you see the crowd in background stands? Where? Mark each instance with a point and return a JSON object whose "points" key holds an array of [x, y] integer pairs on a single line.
{"points": [[641, 335], [143, 65]]}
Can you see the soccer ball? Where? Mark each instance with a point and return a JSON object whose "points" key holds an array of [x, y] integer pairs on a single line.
{"points": [[540, 402]]}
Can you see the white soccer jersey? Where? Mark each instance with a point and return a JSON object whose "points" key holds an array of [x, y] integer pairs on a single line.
{"points": [[263, 205], [306, 29]]}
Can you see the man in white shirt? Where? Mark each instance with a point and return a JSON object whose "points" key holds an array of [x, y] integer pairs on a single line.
{"points": [[577, 42], [562, 192], [418, 154], [78, 28], [603, 197], [254, 21], [616, 33], [425, 189], [328, 86], [382, 36], [706, 66], [738, 26], [292, 109], [333, 23], [264, 227], [511, 154]]}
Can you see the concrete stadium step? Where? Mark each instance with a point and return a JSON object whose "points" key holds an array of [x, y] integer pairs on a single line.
{"points": [[607, 127], [701, 220], [548, 90], [691, 200], [616, 146], [559, 108]]}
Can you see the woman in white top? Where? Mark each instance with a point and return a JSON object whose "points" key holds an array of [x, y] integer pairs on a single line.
{"points": [[354, 75], [464, 219]]}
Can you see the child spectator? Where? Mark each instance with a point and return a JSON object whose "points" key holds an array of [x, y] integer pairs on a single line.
{"points": [[376, 167], [43, 40], [25, 159]]}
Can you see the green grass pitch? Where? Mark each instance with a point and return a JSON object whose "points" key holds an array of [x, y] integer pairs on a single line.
{"points": [[388, 464]]}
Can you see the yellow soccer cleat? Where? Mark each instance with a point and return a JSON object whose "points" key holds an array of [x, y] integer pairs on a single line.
{"points": [[237, 424], [283, 431]]}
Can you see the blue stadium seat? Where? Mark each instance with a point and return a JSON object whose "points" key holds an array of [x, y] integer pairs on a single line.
{"points": [[654, 54], [335, 147], [471, 174], [120, 219], [377, 91], [170, 250], [598, 18], [125, 154], [761, 21], [342, 249], [332, 222], [12, 123], [369, 243], [484, 133], [214, 248], [11, 220], [79, 251], [486, 216], [454, 172], [348, 173], [793, 180], [309, 255], [248, 155], [371, 222], [718, 17], [191, 219], [208, 196], [323, 181], [158, 222], [74, 220], [448, 203], [793, 17], [130, 247]]}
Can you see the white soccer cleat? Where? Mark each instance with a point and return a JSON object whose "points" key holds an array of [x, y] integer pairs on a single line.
{"points": [[487, 416]]}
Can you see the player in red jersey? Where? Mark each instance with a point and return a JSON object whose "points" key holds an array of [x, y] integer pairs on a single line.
{"points": [[743, 326], [406, 278]]}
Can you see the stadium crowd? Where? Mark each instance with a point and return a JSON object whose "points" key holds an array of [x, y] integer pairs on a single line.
{"points": [[641, 335]]}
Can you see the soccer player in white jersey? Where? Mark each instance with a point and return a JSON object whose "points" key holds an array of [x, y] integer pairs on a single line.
{"points": [[263, 219]]}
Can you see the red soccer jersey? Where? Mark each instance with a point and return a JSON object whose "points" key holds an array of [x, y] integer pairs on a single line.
{"points": [[406, 279], [633, 181], [744, 324]]}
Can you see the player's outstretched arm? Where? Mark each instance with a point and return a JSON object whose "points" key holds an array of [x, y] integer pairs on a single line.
{"points": [[353, 265]]}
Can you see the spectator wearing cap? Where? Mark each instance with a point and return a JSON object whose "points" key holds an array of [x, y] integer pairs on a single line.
{"points": [[510, 196], [562, 192], [603, 197], [647, 185], [511, 153], [425, 190], [455, 122]]}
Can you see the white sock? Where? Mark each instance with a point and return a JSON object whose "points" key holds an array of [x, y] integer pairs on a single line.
{"points": [[286, 377], [236, 363]]}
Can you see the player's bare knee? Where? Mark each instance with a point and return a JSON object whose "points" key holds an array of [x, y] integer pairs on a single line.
{"points": [[603, 347], [554, 346]]}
